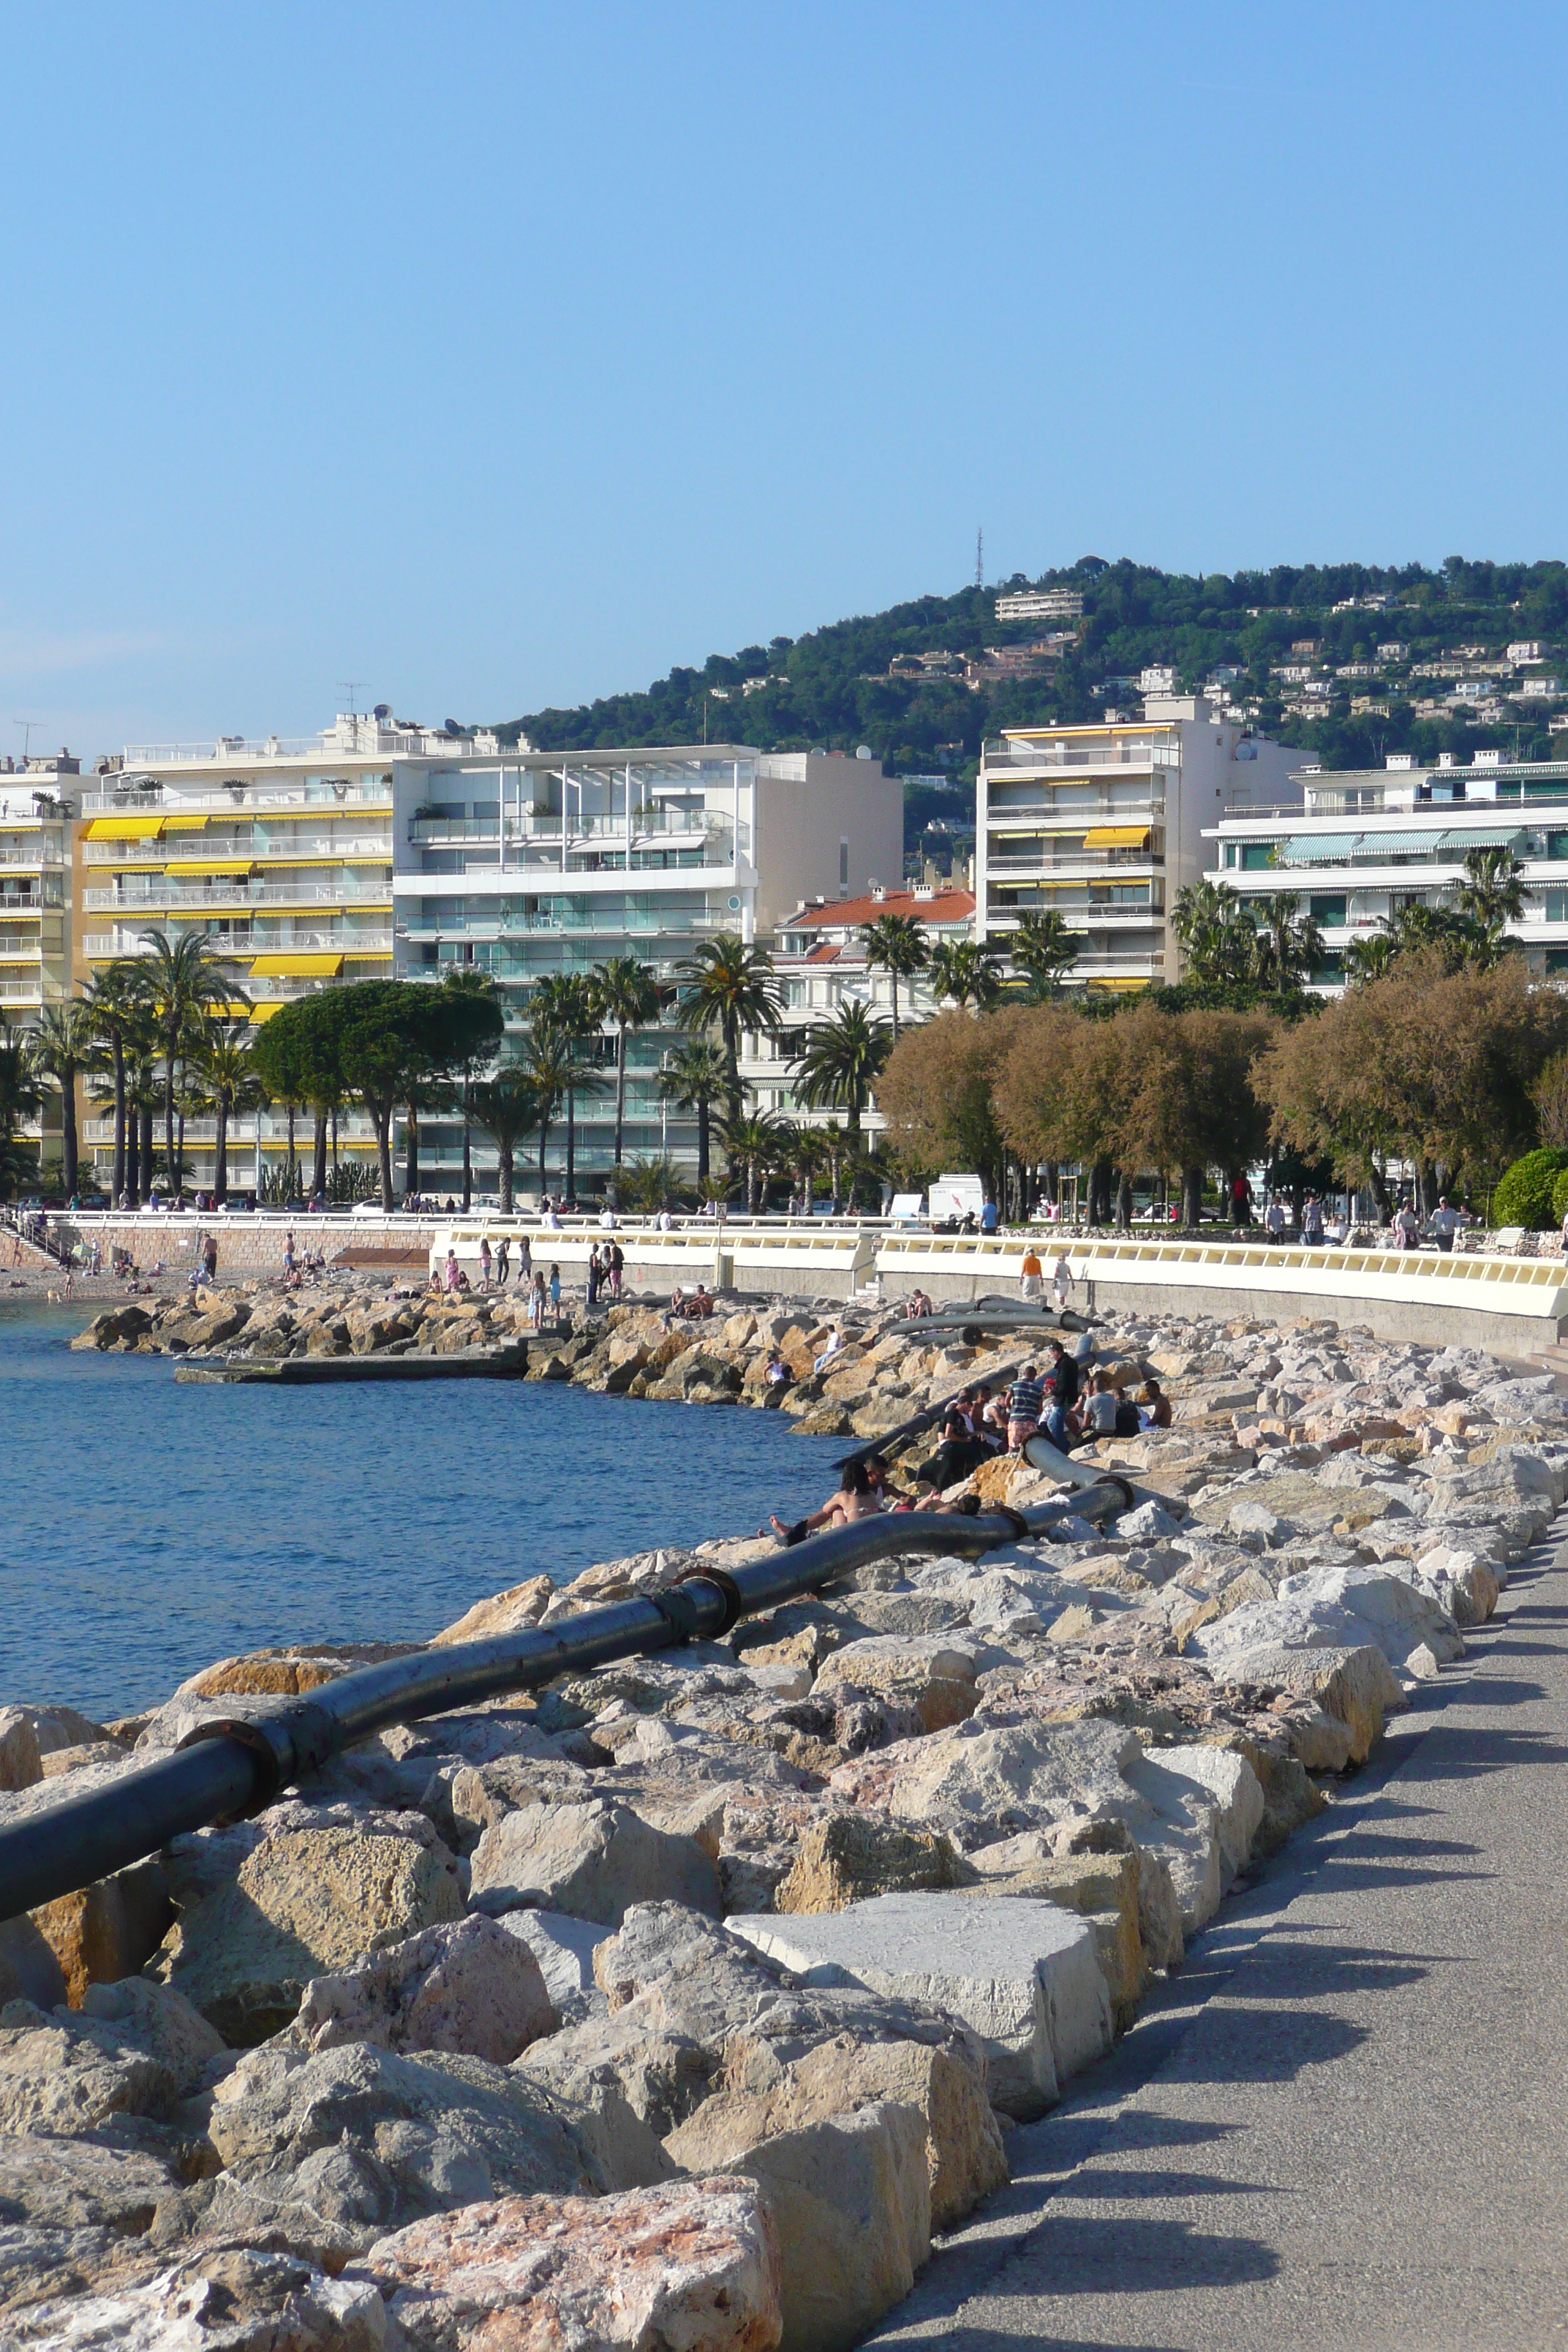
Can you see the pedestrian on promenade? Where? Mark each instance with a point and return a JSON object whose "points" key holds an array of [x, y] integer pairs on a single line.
{"points": [[1312, 1221], [1031, 1274], [1241, 1201], [485, 1263], [209, 1258], [1274, 1218], [1445, 1223], [1406, 1225], [1061, 1279], [1026, 1402], [287, 1257]]}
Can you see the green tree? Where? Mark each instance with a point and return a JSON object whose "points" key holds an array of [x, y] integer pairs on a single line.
{"points": [[755, 1142], [1042, 948], [227, 1067], [732, 988], [697, 1077], [1289, 945], [964, 972], [114, 997], [62, 1049], [1368, 958], [1492, 897], [839, 1063], [472, 980], [625, 995], [507, 1108], [1217, 935], [21, 1099], [566, 1005], [184, 982], [550, 1064], [897, 945]]}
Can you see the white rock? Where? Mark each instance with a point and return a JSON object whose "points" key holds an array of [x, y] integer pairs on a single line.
{"points": [[1150, 1523], [563, 1946], [1237, 1792], [1337, 1608], [1023, 1975], [593, 1861]]}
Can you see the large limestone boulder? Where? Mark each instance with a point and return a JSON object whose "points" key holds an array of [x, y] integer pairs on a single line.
{"points": [[1101, 1888], [844, 1858], [302, 1903], [71, 2072], [83, 2183], [221, 2299], [1355, 1686], [1330, 1608], [363, 2139], [501, 1612], [1461, 1581], [593, 1861], [108, 1930], [20, 1763], [1024, 1976], [467, 1985], [932, 1674], [1238, 1794], [692, 2265]]}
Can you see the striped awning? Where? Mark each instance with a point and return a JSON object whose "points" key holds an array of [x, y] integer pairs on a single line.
{"points": [[323, 966], [123, 828], [186, 824], [1117, 837]]}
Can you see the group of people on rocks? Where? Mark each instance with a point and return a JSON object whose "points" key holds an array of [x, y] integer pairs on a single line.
{"points": [[1055, 1401]]}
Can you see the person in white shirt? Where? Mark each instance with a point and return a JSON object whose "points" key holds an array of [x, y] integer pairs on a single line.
{"points": [[1061, 1279], [607, 1220], [1274, 1218], [1404, 1226], [1445, 1222]]}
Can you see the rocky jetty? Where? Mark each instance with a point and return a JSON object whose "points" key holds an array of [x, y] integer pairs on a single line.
{"points": [[686, 2000]]}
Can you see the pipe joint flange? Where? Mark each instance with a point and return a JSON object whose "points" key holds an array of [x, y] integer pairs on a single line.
{"points": [[1123, 1486], [1016, 1520], [296, 1740], [678, 1607], [733, 1598]]}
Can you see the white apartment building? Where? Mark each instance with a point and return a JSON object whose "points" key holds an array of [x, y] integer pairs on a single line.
{"points": [[821, 964], [1370, 841], [34, 914], [1106, 823], [531, 863]]}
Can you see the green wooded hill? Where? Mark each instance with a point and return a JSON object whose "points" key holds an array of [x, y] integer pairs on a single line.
{"points": [[832, 688]]}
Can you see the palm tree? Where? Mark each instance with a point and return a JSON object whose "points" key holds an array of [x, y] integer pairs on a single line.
{"points": [[21, 1097], [507, 1107], [225, 1065], [1216, 934], [471, 980], [62, 1048], [806, 1153], [697, 1077], [625, 992], [729, 987], [1368, 959], [754, 1141], [649, 1184], [1492, 897], [839, 1063], [184, 982], [112, 998], [563, 1004], [552, 1069], [963, 973], [1042, 948], [1289, 945], [897, 945]]}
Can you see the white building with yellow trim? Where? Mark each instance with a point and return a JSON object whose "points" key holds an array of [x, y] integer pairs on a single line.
{"points": [[35, 909], [1105, 824]]}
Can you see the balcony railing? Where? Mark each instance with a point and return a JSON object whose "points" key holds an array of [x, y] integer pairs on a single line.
{"points": [[1010, 758], [33, 853], [130, 943], [1064, 815], [189, 849], [176, 900], [1092, 864], [154, 801]]}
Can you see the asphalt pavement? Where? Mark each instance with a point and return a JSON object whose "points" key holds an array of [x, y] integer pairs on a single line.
{"points": [[1343, 2123]]}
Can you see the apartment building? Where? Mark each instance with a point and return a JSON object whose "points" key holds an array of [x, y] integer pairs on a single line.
{"points": [[821, 964], [1368, 842], [34, 914], [1105, 824], [537, 864]]}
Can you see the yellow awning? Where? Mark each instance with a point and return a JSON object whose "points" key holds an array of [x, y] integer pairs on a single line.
{"points": [[124, 828], [369, 955], [297, 967], [265, 1012], [345, 857], [1117, 837], [209, 865], [1120, 983], [186, 824]]}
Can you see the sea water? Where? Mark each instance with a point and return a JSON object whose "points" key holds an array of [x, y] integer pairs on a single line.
{"points": [[148, 1526]]}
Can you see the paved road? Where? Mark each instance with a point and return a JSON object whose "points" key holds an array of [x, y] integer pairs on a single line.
{"points": [[1345, 2123]]}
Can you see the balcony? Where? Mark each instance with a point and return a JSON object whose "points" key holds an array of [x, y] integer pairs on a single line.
{"points": [[1011, 759], [32, 854], [188, 849], [1066, 816], [154, 802], [235, 950], [177, 901]]}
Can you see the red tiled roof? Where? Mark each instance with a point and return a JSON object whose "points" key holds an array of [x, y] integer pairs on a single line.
{"points": [[839, 914], [825, 951]]}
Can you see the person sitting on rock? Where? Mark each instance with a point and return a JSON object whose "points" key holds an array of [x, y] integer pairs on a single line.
{"points": [[1154, 1405], [958, 1457], [701, 1303], [855, 1499]]}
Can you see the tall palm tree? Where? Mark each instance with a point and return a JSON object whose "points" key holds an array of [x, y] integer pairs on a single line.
{"points": [[754, 1142], [62, 1049], [729, 987], [839, 1063], [1492, 897], [1289, 944], [1042, 949], [550, 1067], [563, 1004], [963, 973], [471, 980], [507, 1107], [1368, 959], [697, 1077], [1216, 934], [112, 998], [626, 994], [897, 945], [226, 1067], [185, 982], [21, 1097], [804, 1152]]}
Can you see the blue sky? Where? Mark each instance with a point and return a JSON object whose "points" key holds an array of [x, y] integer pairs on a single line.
{"points": [[499, 355]]}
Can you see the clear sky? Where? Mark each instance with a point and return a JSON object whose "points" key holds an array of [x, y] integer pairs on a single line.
{"points": [[494, 356]]}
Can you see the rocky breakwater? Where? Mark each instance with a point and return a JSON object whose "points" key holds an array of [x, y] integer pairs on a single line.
{"points": [[690, 1999]]}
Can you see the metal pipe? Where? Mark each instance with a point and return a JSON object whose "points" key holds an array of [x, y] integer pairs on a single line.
{"points": [[236, 1766]]}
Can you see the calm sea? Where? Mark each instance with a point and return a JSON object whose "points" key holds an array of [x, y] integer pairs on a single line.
{"points": [[148, 1527]]}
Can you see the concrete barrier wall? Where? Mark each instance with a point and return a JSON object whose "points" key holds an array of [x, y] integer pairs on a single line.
{"points": [[799, 1263], [247, 1245], [1419, 1295]]}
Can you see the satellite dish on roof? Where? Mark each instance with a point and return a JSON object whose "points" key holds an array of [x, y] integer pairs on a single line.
{"points": [[383, 710], [863, 752]]}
